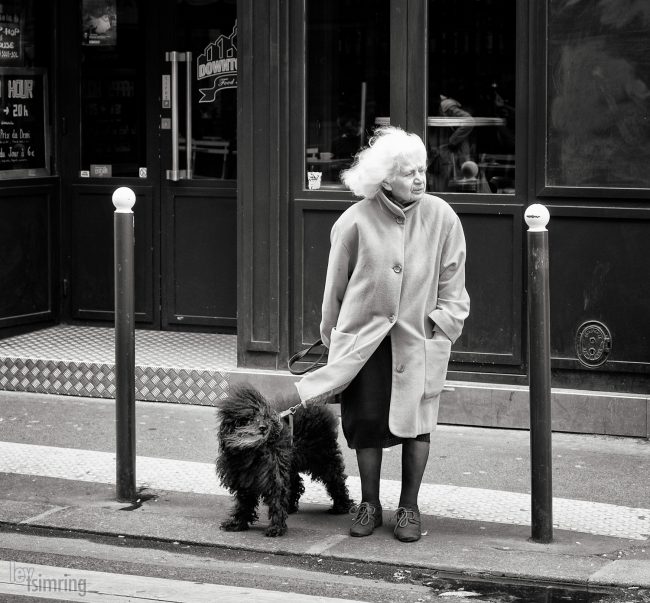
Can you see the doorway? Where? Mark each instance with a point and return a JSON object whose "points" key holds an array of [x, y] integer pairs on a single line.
{"points": [[156, 111]]}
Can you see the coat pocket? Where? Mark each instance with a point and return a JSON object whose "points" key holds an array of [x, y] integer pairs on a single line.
{"points": [[436, 356], [341, 344]]}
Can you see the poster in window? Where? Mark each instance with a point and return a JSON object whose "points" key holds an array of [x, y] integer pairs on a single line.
{"points": [[12, 23], [99, 22], [24, 143]]}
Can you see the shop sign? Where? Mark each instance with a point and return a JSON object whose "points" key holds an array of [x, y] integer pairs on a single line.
{"points": [[11, 26], [24, 142], [217, 66]]}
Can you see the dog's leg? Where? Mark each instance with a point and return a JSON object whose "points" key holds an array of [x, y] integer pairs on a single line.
{"points": [[243, 513], [296, 490], [318, 453], [276, 496], [333, 477], [278, 503]]}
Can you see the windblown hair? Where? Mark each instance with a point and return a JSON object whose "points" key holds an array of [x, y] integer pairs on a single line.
{"points": [[389, 148]]}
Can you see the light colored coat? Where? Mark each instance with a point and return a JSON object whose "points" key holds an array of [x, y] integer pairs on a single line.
{"points": [[400, 271]]}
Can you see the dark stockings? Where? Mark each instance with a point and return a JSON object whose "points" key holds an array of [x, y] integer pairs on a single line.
{"points": [[415, 455], [369, 461], [414, 460]]}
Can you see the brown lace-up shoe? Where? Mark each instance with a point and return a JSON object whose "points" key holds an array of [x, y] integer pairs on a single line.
{"points": [[408, 526], [368, 517]]}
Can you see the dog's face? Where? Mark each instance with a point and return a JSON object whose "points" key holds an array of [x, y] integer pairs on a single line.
{"points": [[246, 420]]}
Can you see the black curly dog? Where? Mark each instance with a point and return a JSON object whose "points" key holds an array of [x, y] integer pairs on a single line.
{"points": [[258, 459]]}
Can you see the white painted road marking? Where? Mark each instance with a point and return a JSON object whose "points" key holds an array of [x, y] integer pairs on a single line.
{"points": [[456, 502], [40, 516], [327, 543]]}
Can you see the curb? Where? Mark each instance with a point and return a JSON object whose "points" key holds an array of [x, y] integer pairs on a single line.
{"points": [[461, 552]]}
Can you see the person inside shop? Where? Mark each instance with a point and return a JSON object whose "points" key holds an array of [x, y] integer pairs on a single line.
{"points": [[394, 302], [348, 139], [449, 157]]}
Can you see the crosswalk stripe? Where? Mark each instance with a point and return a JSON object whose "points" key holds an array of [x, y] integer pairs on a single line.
{"points": [[456, 502]]}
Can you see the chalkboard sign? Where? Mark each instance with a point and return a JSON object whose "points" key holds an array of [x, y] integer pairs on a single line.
{"points": [[24, 136]]}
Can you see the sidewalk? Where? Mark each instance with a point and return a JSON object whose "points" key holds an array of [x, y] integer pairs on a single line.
{"points": [[468, 531]]}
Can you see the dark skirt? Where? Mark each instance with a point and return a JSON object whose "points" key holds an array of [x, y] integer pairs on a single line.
{"points": [[365, 404]]}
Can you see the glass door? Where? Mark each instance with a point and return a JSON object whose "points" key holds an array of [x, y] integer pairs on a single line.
{"points": [[199, 92], [113, 110], [152, 104], [198, 130]]}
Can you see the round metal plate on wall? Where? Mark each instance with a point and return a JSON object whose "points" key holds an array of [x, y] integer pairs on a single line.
{"points": [[593, 343]]}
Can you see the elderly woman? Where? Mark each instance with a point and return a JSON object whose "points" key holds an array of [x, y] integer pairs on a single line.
{"points": [[394, 302]]}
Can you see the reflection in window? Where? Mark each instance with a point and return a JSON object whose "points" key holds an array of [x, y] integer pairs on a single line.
{"points": [[471, 119], [25, 33], [599, 94], [348, 67]]}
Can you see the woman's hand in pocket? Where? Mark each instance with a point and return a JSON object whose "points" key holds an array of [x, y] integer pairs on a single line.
{"points": [[440, 336]]}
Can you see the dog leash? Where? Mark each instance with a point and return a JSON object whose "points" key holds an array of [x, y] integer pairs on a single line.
{"points": [[301, 354], [289, 414]]}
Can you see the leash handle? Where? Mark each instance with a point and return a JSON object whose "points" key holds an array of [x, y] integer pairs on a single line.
{"points": [[301, 354], [288, 415], [290, 411]]}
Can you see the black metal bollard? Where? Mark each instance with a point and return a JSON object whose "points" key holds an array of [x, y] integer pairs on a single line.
{"points": [[539, 366], [123, 200]]}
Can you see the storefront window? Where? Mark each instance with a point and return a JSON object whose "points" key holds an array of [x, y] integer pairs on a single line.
{"points": [[25, 54], [348, 74], [471, 119], [599, 94], [113, 94]]}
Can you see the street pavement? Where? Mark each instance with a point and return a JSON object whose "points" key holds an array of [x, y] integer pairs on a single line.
{"points": [[57, 470]]}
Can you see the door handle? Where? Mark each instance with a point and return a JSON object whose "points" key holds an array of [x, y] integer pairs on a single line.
{"points": [[188, 115], [175, 58]]}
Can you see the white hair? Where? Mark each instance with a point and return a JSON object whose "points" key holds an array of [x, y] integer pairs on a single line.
{"points": [[388, 149]]}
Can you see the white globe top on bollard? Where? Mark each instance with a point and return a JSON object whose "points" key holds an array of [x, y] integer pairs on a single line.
{"points": [[123, 200], [537, 217]]}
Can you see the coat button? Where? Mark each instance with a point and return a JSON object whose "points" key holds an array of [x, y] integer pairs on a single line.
{"points": [[392, 318], [397, 268], [399, 368], [399, 220]]}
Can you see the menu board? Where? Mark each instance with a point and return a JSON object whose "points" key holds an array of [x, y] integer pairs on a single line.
{"points": [[24, 143]]}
